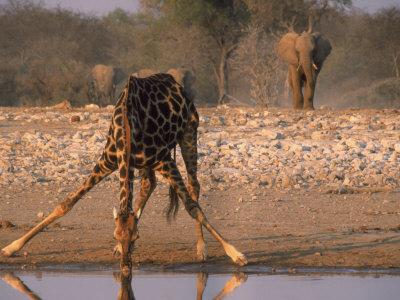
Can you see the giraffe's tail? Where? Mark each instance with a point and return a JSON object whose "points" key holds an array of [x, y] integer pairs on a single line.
{"points": [[173, 199]]}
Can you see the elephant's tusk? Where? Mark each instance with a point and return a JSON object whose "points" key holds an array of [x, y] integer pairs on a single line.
{"points": [[298, 67], [315, 66]]}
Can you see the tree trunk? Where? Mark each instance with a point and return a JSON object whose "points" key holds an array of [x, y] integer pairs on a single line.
{"points": [[396, 66], [222, 76]]}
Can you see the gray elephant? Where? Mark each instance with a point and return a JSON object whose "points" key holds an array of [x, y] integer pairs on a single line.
{"points": [[305, 53], [102, 84]]}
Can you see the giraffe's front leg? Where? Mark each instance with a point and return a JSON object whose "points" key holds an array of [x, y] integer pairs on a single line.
{"points": [[125, 228], [171, 172], [148, 183], [102, 169], [188, 146]]}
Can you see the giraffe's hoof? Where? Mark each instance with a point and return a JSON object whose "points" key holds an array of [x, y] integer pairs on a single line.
{"points": [[241, 260], [236, 256], [117, 251], [6, 252], [202, 257], [126, 271]]}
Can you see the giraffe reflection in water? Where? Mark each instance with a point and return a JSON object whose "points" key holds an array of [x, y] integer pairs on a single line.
{"points": [[16, 283], [126, 292]]}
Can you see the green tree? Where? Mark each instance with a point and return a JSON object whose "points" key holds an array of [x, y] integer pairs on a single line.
{"points": [[222, 22], [277, 16]]}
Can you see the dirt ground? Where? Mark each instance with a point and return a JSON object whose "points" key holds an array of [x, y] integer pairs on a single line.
{"points": [[275, 228], [312, 227]]}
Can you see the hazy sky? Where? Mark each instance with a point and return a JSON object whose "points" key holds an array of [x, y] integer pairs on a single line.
{"points": [[373, 5], [100, 7]]}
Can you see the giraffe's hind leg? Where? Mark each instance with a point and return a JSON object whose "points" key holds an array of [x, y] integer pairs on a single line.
{"points": [[101, 170], [188, 146], [148, 184], [169, 170]]}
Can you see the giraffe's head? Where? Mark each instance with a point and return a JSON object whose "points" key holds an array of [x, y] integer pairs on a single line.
{"points": [[125, 233]]}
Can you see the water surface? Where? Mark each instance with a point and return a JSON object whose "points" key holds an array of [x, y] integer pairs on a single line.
{"points": [[170, 285]]}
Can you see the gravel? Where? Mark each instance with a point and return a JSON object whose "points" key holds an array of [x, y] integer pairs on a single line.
{"points": [[278, 148]]}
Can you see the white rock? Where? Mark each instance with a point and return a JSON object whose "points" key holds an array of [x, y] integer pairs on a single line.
{"points": [[352, 143], [354, 119], [397, 147], [77, 136], [271, 134], [92, 107]]}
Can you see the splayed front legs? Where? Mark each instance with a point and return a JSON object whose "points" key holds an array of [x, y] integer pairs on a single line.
{"points": [[99, 172], [188, 146], [169, 170]]}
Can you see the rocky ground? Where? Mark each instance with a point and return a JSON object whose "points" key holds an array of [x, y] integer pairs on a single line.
{"points": [[280, 149], [263, 173]]}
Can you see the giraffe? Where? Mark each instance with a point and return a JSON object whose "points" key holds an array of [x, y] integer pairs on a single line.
{"points": [[151, 116]]}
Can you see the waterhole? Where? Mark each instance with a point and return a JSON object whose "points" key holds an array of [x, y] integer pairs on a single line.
{"points": [[183, 284]]}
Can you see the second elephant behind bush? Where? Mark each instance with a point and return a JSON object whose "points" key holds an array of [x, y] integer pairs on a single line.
{"points": [[102, 84]]}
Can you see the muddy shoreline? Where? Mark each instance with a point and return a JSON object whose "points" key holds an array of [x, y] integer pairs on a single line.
{"points": [[288, 230], [193, 268]]}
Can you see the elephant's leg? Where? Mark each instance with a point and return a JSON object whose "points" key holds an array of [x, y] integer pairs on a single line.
{"points": [[309, 94], [288, 87], [295, 83]]}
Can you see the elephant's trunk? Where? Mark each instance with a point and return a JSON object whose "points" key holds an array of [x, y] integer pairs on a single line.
{"points": [[310, 72], [310, 24]]}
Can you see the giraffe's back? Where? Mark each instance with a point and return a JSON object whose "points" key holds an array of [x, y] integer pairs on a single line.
{"points": [[158, 113]]}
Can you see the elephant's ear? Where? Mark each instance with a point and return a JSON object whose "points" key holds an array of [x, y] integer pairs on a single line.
{"points": [[185, 78], [119, 75], [322, 49], [286, 48]]}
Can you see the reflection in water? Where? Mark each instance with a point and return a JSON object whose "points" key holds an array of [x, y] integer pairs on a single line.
{"points": [[235, 281], [201, 284], [186, 285], [126, 292], [19, 285]]}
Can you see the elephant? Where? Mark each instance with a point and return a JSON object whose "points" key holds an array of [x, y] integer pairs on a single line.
{"points": [[183, 76], [102, 83], [305, 53]]}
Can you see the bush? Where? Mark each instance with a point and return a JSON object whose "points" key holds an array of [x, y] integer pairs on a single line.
{"points": [[381, 94], [46, 55]]}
